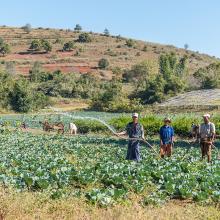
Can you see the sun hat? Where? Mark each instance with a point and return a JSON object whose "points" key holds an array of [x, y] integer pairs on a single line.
{"points": [[167, 119], [206, 115]]}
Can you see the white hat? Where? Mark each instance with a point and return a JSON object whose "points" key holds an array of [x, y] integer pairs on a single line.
{"points": [[135, 115], [206, 115]]}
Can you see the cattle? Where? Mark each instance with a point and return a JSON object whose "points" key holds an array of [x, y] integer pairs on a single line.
{"points": [[72, 128], [59, 127]]}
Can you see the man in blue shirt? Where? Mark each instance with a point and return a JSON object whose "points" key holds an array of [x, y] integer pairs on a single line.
{"points": [[166, 138]]}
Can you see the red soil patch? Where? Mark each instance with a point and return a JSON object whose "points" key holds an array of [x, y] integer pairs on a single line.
{"points": [[64, 68]]}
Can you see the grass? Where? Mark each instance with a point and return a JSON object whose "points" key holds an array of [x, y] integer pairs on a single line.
{"points": [[30, 205]]}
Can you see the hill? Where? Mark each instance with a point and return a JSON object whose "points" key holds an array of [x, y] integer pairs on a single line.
{"points": [[84, 58]]}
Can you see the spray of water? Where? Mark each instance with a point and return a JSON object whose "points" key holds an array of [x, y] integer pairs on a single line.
{"points": [[84, 118]]}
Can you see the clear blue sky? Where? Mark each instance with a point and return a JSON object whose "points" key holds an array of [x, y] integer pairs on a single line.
{"points": [[176, 22]]}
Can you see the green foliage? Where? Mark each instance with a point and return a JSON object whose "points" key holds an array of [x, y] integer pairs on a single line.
{"points": [[103, 63], [4, 47], [35, 71], [46, 45], [94, 168], [106, 32], [20, 97], [77, 28], [42, 44], [84, 38], [35, 45], [140, 73], [68, 46], [130, 43], [168, 82], [209, 77], [6, 86]]}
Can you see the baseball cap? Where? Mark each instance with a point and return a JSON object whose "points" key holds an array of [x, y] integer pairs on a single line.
{"points": [[135, 115]]}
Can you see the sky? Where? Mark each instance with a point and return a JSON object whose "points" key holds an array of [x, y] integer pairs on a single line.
{"points": [[172, 22]]}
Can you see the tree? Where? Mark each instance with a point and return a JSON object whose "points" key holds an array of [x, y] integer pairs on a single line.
{"points": [[103, 63], [20, 97], [27, 28], [46, 45], [77, 28], [106, 32], [130, 43], [84, 38], [4, 49], [36, 45], [35, 71], [68, 46], [186, 46]]}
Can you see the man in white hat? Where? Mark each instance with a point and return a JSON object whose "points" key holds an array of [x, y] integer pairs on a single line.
{"points": [[206, 135], [135, 131]]}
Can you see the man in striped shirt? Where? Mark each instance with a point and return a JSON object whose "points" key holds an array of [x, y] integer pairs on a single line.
{"points": [[206, 135]]}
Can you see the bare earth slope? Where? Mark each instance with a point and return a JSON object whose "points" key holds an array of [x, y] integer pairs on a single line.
{"points": [[199, 97]]}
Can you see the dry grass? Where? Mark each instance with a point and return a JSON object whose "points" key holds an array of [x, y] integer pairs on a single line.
{"points": [[109, 47], [27, 205]]}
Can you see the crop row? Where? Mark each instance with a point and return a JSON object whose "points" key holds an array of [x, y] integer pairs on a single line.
{"points": [[95, 169]]}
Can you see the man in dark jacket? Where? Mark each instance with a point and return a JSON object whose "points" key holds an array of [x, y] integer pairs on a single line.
{"points": [[135, 132]]}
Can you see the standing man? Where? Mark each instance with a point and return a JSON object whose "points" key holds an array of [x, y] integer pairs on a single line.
{"points": [[166, 138], [207, 135], [135, 131]]}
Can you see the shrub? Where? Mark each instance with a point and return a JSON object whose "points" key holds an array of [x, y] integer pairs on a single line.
{"points": [[103, 63], [84, 38], [68, 46], [42, 44], [4, 47], [130, 43]]}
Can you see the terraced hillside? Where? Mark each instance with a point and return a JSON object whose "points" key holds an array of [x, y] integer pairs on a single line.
{"points": [[84, 58]]}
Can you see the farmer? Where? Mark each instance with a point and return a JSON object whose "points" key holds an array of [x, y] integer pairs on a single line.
{"points": [[206, 135], [135, 131], [73, 128], [166, 138]]}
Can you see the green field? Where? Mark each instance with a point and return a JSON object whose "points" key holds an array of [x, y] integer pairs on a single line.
{"points": [[90, 171], [95, 169]]}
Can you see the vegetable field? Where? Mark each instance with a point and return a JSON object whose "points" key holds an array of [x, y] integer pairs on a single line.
{"points": [[95, 169]]}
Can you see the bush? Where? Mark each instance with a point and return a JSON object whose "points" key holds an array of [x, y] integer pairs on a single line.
{"points": [[42, 44], [209, 76], [4, 47], [103, 63], [68, 46], [84, 38], [46, 45], [35, 45], [130, 43]]}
